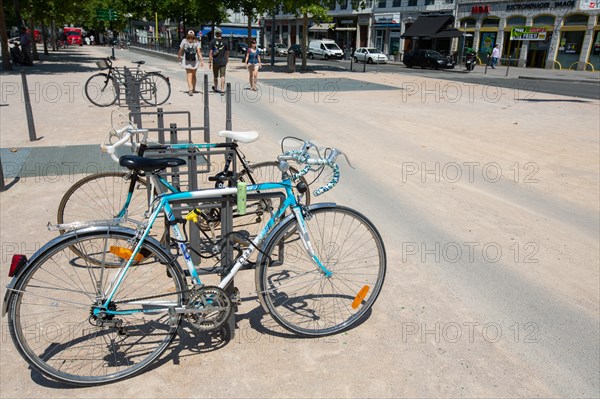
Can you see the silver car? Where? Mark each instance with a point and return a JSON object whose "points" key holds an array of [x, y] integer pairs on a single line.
{"points": [[280, 49], [370, 55]]}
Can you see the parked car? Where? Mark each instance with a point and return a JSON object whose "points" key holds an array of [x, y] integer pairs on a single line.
{"points": [[280, 49], [242, 48], [369, 55], [427, 59], [297, 49], [262, 49]]}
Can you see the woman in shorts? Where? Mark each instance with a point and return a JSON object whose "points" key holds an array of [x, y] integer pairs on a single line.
{"points": [[253, 64], [190, 58]]}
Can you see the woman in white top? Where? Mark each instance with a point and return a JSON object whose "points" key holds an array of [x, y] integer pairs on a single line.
{"points": [[190, 58]]}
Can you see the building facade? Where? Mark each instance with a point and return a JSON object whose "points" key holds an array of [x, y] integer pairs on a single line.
{"points": [[531, 33], [541, 34]]}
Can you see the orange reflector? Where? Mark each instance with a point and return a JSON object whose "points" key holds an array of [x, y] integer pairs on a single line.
{"points": [[360, 296], [125, 253]]}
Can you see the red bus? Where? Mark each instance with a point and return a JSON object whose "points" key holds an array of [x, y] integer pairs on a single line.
{"points": [[73, 35]]}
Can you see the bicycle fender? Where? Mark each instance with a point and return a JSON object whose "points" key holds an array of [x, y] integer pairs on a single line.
{"points": [[282, 223], [57, 241]]}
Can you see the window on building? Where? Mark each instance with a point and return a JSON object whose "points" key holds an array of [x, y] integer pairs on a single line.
{"points": [[412, 3], [516, 21], [543, 20], [397, 3], [490, 22], [429, 2], [381, 4], [470, 22], [332, 6], [449, 1], [577, 19]]}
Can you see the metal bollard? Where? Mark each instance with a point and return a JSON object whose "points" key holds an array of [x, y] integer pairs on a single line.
{"points": [[508, 66], [206, 112], [28, 112], [2, 185], [228, 108]]}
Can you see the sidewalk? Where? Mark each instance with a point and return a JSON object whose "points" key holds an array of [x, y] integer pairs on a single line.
{"points": [[480, 70]]}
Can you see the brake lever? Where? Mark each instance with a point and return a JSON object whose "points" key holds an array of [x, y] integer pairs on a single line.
{"points": [[332, 157]]}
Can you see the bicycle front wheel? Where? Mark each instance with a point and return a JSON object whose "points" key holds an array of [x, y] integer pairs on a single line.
{"points": [[155, 89], [50, 312], [101, 90], [299, 296]]}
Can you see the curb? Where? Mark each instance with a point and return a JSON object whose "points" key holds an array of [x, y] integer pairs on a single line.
{"points": [[589, 81]]}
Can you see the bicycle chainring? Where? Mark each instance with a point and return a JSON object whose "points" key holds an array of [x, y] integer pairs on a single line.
{"points": [[211, 308]]}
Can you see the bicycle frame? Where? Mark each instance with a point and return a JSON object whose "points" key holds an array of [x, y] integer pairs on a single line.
{"points": [[164, 206], [123, 212]]}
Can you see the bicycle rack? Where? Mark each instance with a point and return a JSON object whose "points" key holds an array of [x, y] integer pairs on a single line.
{"points": [[196, 170]]}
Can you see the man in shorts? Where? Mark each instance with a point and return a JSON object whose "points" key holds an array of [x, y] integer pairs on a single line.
{"points": [[217, 58]]}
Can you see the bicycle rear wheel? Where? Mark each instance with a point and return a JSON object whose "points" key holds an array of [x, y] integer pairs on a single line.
{"points": [[297, 293], [103, 195], [50, 312], [101, 90], [155, 89]]}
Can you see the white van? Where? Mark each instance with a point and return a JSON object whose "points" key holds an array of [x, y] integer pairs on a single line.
{"points": [[325, 49]]}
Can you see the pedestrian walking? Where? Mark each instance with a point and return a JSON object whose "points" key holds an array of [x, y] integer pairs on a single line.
{"points": [[190, 58], [495, 56], [25, 43], [218, 58], [253, 64]]}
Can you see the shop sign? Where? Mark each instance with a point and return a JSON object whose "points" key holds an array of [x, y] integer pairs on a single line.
{"points": [[589, 5], [541, 6], [387, 19], [363, 19], [480, 10], [528, 33]]}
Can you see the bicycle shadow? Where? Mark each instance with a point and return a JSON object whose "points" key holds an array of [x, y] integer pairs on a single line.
{"points": [[191, 342]]}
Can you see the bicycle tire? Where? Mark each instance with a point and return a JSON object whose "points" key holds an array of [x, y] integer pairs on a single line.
{"points": [[258, 212], [101, 90], [50, 312], [155, 89], [297, 293], [102, 196]]}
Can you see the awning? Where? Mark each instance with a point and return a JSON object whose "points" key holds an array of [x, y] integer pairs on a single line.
{"points": [[320, 27], [449, 33], [227, 31], [427, 26], [345, 29]]}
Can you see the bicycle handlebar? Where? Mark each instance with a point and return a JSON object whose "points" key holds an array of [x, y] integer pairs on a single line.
{"points": [[303, 157], [124, 136]]}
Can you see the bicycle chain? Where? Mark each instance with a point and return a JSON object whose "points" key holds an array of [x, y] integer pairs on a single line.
{"points": [[151, 297]]}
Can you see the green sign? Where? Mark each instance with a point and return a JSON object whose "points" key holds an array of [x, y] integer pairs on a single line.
{"points": [[528, 33], [106, 14]]}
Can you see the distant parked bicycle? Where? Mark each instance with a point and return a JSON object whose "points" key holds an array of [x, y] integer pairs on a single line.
{"points": [[103, 89]]}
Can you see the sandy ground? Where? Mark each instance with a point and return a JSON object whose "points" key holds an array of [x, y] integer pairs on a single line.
{"points": [[488, 207]]}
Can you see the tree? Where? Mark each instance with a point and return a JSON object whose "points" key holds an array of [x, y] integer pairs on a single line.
{"points": [[6, 65], [317, 10]]}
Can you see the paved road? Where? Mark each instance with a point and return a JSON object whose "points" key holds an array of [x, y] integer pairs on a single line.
{"points": [[527, 82], [491, 230]]}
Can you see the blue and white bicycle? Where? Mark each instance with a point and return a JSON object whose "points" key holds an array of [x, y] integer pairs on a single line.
{"points": [[107, 310]]}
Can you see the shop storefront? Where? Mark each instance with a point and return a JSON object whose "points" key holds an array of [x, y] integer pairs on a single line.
{"points": [[594, 58], [387, 33], [540, 34]]}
